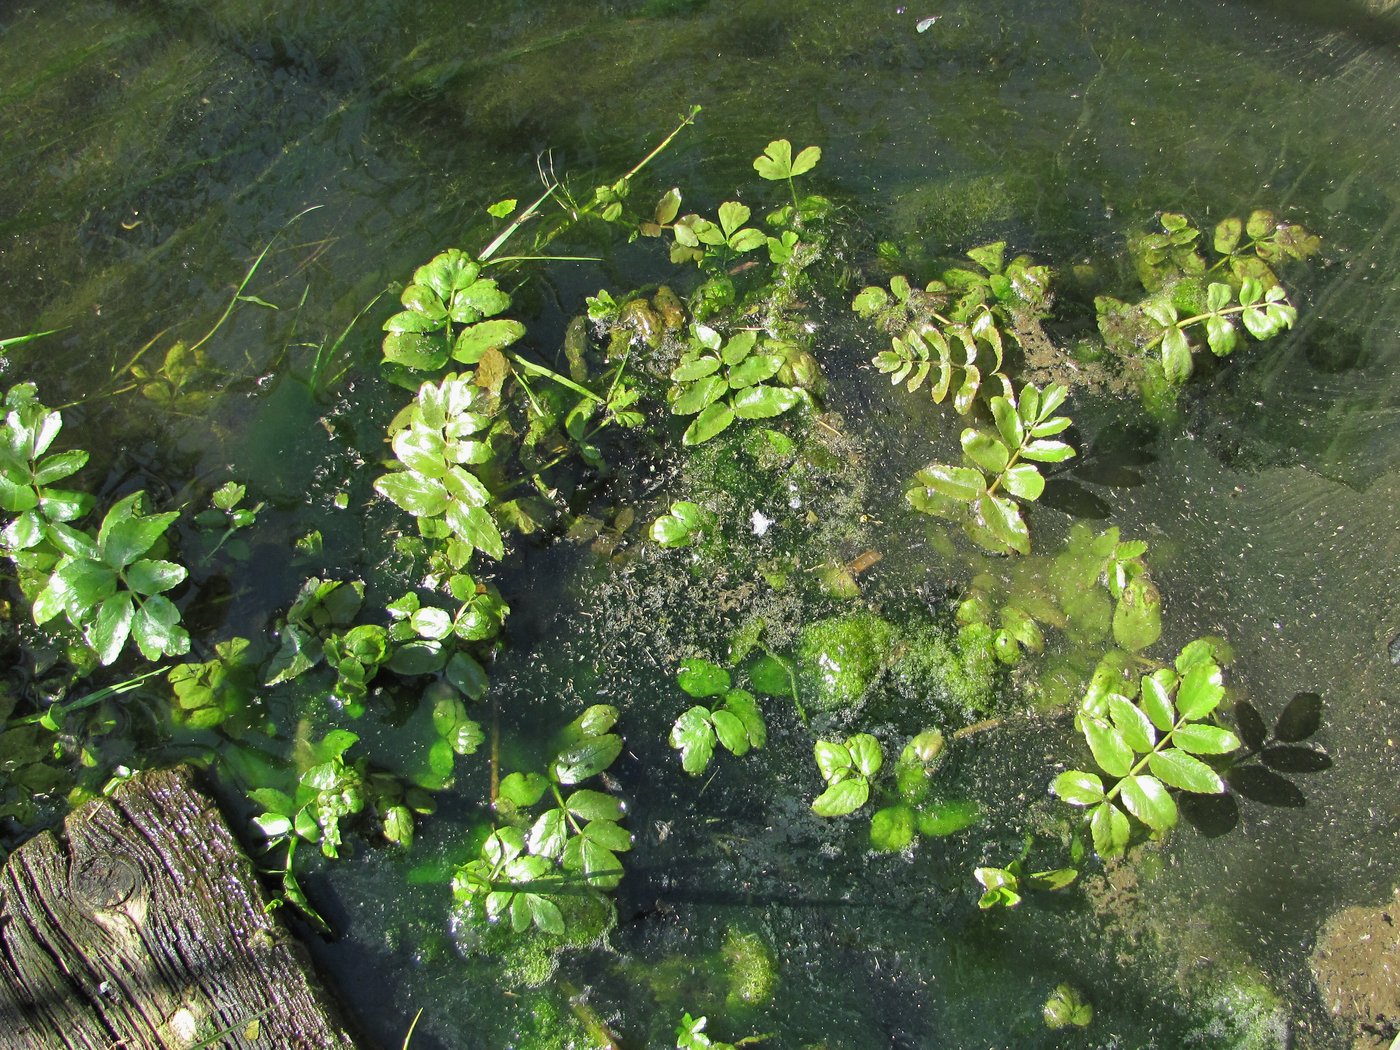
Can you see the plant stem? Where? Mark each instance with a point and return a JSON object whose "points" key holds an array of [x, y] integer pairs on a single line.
{"points": [[548, 373], [1108, 795], [686, 121]]}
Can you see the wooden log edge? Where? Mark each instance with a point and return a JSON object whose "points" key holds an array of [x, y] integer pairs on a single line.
{"points": [[141, 924]]}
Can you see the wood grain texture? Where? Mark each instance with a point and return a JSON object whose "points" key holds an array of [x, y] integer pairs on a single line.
{"points": [[141, 926]]}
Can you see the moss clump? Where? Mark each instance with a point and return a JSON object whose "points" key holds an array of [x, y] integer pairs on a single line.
{"points": [[958, 677], [752, 969], [838, 658], [530, 959], [1240, 1013], [539, 1022]]}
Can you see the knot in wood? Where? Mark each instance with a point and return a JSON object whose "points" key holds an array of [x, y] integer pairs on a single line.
{"points": [[105, 881]]}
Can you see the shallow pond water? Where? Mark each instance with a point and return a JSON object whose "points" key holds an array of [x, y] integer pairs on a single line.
{"points": [[153, 149]]}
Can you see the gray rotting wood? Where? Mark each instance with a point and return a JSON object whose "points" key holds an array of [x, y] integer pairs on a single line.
{"points": [[143, 926]]}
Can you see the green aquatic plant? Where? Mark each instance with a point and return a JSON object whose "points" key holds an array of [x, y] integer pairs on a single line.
{"points": [[569, 849], [999, 469], [719, 381], [437, 439], [711, 245], [734, 722], [104, 586], [329, 791], [1004, 887], [226, 516], [320, 607], [855, 773], [1191, 295], [427, 639], [450, 314], [714, 245], [912, 805], [1067, 1006], [211, 692], [1149, 745], [683, 526], [955, 330], [1097, 587], [848, 768], [98, 589], [691, 1035], [777, 164]]}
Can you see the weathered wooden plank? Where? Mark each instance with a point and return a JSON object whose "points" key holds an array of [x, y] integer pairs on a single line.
{"points": [[142, 926]]}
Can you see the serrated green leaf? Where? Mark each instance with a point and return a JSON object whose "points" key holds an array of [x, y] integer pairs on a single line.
{"points": [[696, 396], [1130, 720], [152, 577], [694, 736], [701, 678], [765, 402], [549, 834], [587, 758], [960, 483], [156, 628], [1202, 688], [745, 708], [1109, 827], [754, 369], [58, 466], [128, 537], [870, 300], [1177, 769], [668, 207], [1024, 481], [1221, 336], [699, 368], [1047, 451], [1156, 699], [587, 804], [732, 215], [1176, 355], [730, 731], [111, 627], [1137, 619], [986, 451], [1001, 518], [832, 759], [1008, 422], [476, 339], [609, 835], [1227, 235], [1146, 798], [843, 797], [1078, 788], [1113, 754], [1202, 739], [523, 789], [422, 497], [865, 753]]}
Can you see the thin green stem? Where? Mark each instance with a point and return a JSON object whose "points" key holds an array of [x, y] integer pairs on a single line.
{"points": [[548, 373], [686, 121], [17, 340], [248, 277], [564, 808]]}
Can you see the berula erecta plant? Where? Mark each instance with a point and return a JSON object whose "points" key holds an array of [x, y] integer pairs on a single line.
{"points": [[495, 443]]}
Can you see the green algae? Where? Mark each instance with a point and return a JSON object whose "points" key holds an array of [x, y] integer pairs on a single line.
{"points": [[839, 657]]}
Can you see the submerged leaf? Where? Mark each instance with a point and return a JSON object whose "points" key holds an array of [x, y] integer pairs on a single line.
{"points": [[845, 796]]}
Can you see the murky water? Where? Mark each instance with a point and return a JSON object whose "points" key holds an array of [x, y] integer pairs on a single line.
{"points": [[151, 150]]}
